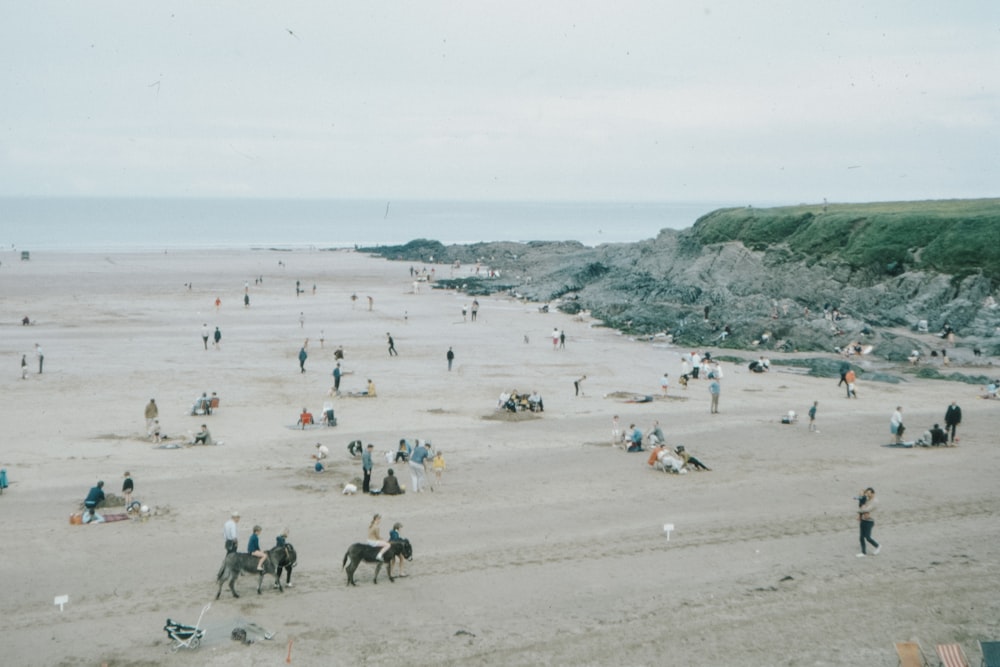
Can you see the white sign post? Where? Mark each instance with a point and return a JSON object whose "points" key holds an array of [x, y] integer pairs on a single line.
{"points": [[61, 600], [668, 528]]}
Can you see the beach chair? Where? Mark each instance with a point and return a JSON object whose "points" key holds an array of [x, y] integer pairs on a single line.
{"points": [[952, 655], [910, 654], [991, 653]]}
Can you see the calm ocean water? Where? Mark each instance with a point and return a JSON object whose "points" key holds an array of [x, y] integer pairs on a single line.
{"points": [[69, 224]]}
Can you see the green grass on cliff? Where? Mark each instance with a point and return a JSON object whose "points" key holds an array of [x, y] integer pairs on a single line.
{"points": [[957, 237]]}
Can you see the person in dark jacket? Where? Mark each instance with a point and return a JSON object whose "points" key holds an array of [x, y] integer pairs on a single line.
{"points": [[94, 498], [952, 418]]}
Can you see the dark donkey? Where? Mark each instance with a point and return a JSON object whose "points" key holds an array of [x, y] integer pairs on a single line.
{"points": [[360, 551], [235, 564]]}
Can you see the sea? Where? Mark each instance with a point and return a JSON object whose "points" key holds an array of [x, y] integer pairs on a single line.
{"points": [[68, 224]]}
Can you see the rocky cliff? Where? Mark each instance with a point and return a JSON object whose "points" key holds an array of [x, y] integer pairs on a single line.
{"points": [[791, 278]]}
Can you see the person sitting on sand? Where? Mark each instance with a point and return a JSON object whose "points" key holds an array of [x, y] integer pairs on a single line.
{"points": [[656, 436], [938, 436], [991, 389], [535, 402], [304, 418], [371, 389], [355, 447], [322, 451], [635, 439], [403, 453], [203, 437], [390, 484], [253, 548]]}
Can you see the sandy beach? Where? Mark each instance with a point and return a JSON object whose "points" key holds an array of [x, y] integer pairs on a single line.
{"points": [[541, 545]]}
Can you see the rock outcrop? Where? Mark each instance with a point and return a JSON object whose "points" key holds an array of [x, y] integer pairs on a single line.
{"points": [[795, 278]]}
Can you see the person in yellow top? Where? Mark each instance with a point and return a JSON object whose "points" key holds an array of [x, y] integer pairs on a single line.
{"points": [[438, 465], [371, 389]]}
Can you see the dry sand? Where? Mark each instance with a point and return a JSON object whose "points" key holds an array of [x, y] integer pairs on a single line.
{"points": [[542, 545]]}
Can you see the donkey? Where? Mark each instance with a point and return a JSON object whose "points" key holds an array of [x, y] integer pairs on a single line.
{"points": [[235, 564], [359, 551]]}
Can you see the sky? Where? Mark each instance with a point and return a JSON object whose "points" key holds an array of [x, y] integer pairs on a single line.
{"points": [[662, 100]]}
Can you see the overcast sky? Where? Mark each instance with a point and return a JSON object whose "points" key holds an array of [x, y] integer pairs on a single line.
{"points": [[741, 100]]}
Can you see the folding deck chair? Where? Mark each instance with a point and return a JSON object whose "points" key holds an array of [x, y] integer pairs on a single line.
{"points": [[991, 653], [910, 654], [952, 655]]}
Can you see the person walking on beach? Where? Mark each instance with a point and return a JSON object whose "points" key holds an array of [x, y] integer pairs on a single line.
{"points": [[475, 309], [578, 385], [438, 464], [665, 383], [896, 425], [866, 507], [205, 334], [417, 469], [152, 412], [715, 389], [366, 468], [850, 378], [336, 379], [217, 338], [302, 320], [246, 300], [41, 357], [231, 534], [24, 367], [392, 345], [303, 355], [952, 418], [555, 338], [451, 357], [812, 417]]}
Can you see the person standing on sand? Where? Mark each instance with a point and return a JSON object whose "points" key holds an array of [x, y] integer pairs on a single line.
{"points": [[24, 367], [417, 469], [665, 383], [336, 379], [366, 468], [952, 418], [303, 355], [616, 431], [866, 506], [152, 412], [555, 338], [205, 334], [812, 417], [371, 303], [127, 487], [896, 425], [230, 532], [451, 357], [715, 389], [217, 337], [41, 357], [392, 345], [562, 340], [475, 309]]}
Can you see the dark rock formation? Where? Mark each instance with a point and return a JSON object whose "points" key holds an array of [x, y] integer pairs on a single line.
{"points": [[767, 275]]}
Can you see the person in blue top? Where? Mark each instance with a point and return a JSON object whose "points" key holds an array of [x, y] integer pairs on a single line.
{"points": [[94, 497], [394, 536], [282, 538], [417, 470], [303, 355], [635, 444], [253, 548], [366, 468]]}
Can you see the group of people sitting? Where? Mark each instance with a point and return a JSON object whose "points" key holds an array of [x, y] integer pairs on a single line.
{"points": [[204, 404], [514, 402], [661, 456], [934, 437], [328, 419]]}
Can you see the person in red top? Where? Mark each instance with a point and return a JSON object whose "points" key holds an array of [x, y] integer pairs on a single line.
{"points": [[305, 418]]}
